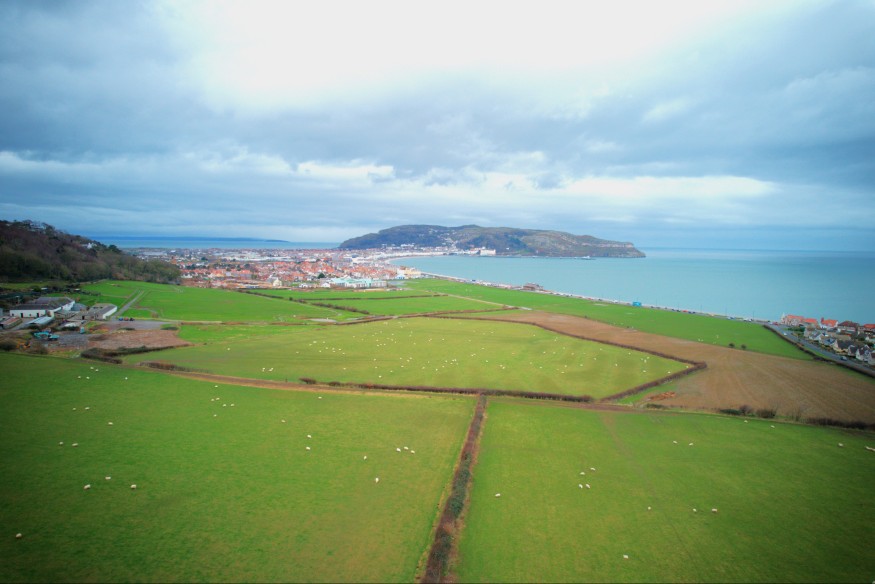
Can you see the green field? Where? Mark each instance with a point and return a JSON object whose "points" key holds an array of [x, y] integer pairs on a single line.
{"points": [[425, 351], [694, 327], [224, 493], [792, 505], [161, 301], [387, 302]]}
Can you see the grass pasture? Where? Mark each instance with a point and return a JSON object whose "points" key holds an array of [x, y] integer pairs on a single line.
{"points": [[162, 301], [224, 493], [792, 505], [425, 351], [693, 327], [387, 302]]}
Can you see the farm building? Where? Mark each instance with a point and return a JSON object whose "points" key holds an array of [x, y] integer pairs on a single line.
{"points": [[10, 322], [100, 312], [43, 306]]}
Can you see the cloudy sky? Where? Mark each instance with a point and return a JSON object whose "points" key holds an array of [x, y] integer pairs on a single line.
{"points": [[671, 123]]}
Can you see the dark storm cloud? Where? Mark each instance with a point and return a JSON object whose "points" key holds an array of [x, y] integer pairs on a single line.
{"points": [[136, 118]]}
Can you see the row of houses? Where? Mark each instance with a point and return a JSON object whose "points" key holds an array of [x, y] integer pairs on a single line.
{"points": [[847, 327], [842, 345]]}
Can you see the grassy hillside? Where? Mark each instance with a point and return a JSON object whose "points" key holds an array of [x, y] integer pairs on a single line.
{"points": [[792, 505], [421, 351], [224, 492], [694, 327]]}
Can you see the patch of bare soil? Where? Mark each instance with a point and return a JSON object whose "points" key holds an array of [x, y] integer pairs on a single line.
{"points": [[126, 339], [734, 377]]}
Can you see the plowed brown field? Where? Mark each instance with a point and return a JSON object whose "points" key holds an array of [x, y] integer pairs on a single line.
{"points": [[733, 376]]}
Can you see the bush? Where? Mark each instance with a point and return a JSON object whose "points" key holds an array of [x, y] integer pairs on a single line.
{"points": [[745, 409], [8, 345], [308, 380], [766, 413]]}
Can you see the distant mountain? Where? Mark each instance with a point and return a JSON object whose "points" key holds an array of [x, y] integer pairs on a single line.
{"points": [[506, 241], [31, 251]]}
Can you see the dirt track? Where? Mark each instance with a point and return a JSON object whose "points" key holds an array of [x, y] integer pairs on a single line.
{"points": [[735, 377]]}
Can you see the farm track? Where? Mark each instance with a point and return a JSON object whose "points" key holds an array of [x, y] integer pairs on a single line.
{"points": [[733, 377]]}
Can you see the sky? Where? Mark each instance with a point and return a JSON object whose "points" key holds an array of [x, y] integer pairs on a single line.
{"points": [[679, 123]]}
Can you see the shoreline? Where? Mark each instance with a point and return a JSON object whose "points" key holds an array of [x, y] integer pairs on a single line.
{"points": [[592, 298]]}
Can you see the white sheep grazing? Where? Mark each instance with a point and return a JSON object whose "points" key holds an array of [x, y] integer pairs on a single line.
{"points": [[625, 557], [648, 507], [412, 452], [714, 510], [674, 441], [587, 486], [695, 510], [283, 421], [497, 494], [365, 457], [582, 473], [109, 423], [405, 448], [377, 480], [309, 436], [841, 445], [18, 536], [691, 443], [307, 447], [592, 469], [108, 478], [134, 487], [86, 487], [60, 443], [397, 450], [75, 444]]}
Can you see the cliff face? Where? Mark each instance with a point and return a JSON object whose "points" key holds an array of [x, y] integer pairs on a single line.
{"points": [[505, 241]]}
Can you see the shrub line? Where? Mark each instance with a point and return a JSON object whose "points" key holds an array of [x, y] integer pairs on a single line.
{"points": [[443, 547]]}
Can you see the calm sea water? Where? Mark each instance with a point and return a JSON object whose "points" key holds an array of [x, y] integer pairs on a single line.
{"points": [[205, 243], [749, 284]]}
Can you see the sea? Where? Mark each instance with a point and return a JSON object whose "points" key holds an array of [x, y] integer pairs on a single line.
{"points": [[755, 284], [123, 242]]}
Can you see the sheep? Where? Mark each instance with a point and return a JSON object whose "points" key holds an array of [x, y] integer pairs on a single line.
{"points": [[841, 445], [377, 480], [587, 486], [307, 447], [625, 557], [108, 478], [109, 423], [365, 457], [60, 443], [695, 510], [18, 536], [309, 436], [75, 444], [582, 473], [86, 487], [283, 421], [714, 510], [133, 487], [412, 452], [497, 494], [648, 507], [691, 443], [397, 450], [405, 448], [592, 469]]}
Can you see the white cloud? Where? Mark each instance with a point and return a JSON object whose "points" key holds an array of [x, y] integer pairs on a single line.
{"points": [[667, 110]]}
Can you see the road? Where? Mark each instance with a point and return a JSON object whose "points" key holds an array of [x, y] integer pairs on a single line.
{"points": [[821, 352]]}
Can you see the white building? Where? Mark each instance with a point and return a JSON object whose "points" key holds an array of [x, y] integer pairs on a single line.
{"points": [[43, 306]]}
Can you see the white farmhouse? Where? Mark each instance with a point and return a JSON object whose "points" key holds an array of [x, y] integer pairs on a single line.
{"points": [[43, 306]]}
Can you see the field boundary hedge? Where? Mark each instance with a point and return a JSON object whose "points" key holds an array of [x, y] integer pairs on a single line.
{"points": [[443, 547], [480, 391], [697, 366]]}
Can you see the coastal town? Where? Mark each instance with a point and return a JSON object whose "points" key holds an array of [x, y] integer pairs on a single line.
{"points": [[248, 269]]}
